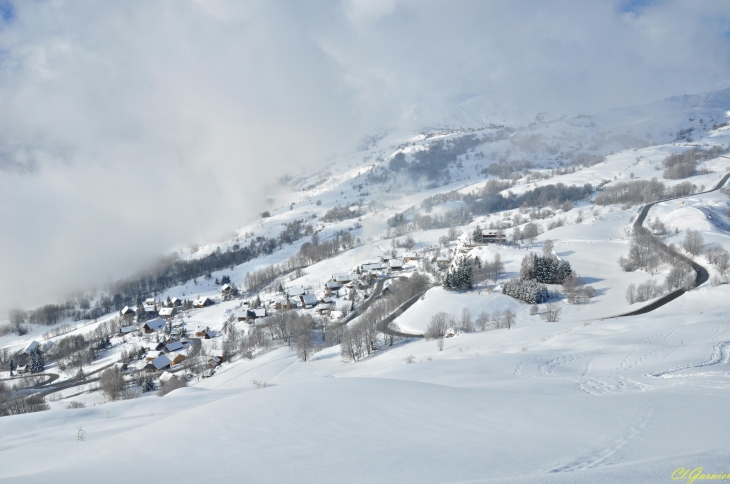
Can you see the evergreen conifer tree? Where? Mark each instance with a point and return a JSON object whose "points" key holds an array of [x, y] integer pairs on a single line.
{"points": [[36, 361]]}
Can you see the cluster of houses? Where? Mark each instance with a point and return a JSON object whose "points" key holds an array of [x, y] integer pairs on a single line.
{"points": [[298, 298]]}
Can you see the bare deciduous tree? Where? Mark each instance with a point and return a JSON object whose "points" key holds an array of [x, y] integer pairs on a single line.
{"points": [[552, 312], [509, 317], [693, 242], [482, 321], [111, 383], [438, 325], [304, 346]]}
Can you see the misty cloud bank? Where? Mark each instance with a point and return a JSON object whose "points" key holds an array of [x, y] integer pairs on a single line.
{"points": [[130, 128]]}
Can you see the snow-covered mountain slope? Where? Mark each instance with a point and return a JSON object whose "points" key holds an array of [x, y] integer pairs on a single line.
{"points": [[580, 399]]}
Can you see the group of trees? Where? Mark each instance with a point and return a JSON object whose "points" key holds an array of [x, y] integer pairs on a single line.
{"points": [[531, 292], [337, 214], [631, 192], [642, 191], [359, 339], [545, 269], [486, 270], [442, 322], [460, 276], [684, 165]]}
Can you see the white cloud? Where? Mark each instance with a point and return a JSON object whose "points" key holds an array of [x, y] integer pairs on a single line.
{"points": [[127, 128]]}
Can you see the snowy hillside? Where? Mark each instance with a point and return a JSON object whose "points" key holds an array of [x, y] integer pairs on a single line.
{"points": [[305, 349]]}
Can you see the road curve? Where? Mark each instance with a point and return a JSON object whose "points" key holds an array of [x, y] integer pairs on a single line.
{"points": [[702, 274]]}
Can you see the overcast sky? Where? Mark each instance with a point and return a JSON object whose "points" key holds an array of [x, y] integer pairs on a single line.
{"points": [[128, 128]]}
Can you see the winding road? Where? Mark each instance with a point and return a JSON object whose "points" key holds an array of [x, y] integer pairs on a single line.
{"points": [[702, 274]]}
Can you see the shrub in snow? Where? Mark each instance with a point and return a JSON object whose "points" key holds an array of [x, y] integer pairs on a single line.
{"points": [[529, 291]]}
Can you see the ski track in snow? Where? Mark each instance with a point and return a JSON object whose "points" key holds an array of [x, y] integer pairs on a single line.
{"points": [[605, 456], [521, 364], [596, 386], [720, 355]]}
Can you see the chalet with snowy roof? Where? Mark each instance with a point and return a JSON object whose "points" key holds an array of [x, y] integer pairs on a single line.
{"points": [[30, 347], [203, 302], [363, 285], [254, 314], [213, 361], [127, 314], [325, 308], [371, 266], [309, 300], [175, 358], [21, 369], [157, 324], [168, 313], [124, 330], [342, 277], [176, 302], [151, 355], [493, 236], [160, 363], [166, 376], [326, 300], [395, 264], [150, 301], [333, 285], [442, 262], [410, 256], [205, 334], [296, 291], [175, 346]]}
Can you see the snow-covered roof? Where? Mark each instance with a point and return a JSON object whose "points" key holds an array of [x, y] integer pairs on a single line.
{"points": [[410, 255], [167, 376], [372, 266], [393, 263], [309, 299], [160, 362], [296, 291], [257, 313], [176, 346], [225, 287], [31, 346], [167, 311], [333, 285], [157, 324], [342, 277], [126, 310], [126, 329], [149, 300]]}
